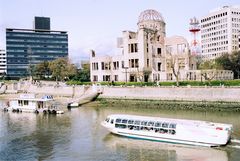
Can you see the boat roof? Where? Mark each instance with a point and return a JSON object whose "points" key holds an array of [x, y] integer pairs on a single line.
{"points": [[169, 120]]}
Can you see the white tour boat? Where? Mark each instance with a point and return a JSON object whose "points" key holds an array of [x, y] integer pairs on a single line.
{"points": [[29, 103], [190, 132]]}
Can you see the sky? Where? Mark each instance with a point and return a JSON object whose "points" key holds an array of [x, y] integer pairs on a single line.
{"points": [[96, 24]]}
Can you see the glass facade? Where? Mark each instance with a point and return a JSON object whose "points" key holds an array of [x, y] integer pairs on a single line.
{"points": [[29, 47]]}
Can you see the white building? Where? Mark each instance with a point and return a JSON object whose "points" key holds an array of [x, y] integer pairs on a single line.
{"points": [[147, 55], [219, 32], [3, 64]]}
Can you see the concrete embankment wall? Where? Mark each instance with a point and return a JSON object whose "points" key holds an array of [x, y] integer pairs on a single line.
{"points": [[67, 91], [47, 89], [174, 93]]}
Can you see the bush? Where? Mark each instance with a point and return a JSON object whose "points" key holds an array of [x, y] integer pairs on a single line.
{"points": [[72, 82], [181, 83]]}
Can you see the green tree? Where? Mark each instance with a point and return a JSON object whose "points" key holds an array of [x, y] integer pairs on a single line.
{"points": [[83, 74], [42, 70], [209, 69], [231, 62], [62, 69]]}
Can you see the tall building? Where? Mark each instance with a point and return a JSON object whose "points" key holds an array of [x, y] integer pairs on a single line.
{"points": [[27, 47], [3, 66], [42, 23], [219, 32]]}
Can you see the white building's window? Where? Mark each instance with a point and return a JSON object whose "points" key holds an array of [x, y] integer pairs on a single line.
{"points": [[106, 77], [115, 77], [159, 51], [115, 65], [95, 78], [133, 63], [159, 66], [94, 66], [123, 64], [133, 48], [106, 65]]}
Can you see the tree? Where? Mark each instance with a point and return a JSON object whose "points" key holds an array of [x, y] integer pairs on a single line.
{"points": [[83, 74], [209, 69], [174, 64], [62, 69], [231, 62], [42, 70]]}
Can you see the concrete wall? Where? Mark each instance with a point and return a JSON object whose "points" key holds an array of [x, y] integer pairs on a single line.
{"points": [[48, 89], [173, 93]]}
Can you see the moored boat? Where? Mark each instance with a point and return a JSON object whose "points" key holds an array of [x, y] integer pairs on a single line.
{"points": [[179, 131], [29, 103]]}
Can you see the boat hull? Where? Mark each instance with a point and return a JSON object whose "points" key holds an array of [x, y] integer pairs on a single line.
{"points": [[184, 132]]}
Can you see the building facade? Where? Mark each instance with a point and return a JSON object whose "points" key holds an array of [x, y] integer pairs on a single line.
{"points": [[149, 56], [28, 47], [220, 30], [3, 65]]}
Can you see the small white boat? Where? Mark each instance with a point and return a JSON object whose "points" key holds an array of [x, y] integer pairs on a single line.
{"points": [[179, 131], [29, 103]]}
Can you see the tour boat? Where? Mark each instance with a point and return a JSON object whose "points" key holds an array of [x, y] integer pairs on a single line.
{"points": [[29, 103], [179, 131]]}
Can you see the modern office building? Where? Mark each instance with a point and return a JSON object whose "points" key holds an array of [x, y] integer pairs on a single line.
{"points": [[3, 66], [27, 47], [219, 32]]}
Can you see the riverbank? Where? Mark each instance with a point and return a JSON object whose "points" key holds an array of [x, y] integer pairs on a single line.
{"points": [[167, 104]]}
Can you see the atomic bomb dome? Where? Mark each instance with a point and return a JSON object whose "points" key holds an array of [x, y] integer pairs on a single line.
{"points": [[150, 15]]}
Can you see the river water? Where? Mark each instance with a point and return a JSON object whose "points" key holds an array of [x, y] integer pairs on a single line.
{"points": [[78, 135]]}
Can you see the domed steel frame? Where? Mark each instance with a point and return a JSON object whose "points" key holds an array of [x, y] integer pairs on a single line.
{"points": [[152, 15]]}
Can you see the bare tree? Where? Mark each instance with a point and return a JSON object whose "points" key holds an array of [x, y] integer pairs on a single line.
{"points": [[209, 75], [175, 67]]}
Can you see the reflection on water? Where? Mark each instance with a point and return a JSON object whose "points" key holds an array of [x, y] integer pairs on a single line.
{"points": [[78, 135], [144, 150]]}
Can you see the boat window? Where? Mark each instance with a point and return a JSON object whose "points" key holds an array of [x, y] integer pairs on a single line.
{"points": [[173, 132], [150, 123], [137, 127], [144, 123], [124, 121], [112, 121], [157, 124], [156, 129], [130, 121], [172, 126], [137, 122], [165, 125], [118, 120], [121, 126], [130, 127], [107, 119]]}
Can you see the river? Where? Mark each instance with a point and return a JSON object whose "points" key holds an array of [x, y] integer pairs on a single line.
{"points": [[78, 135]]}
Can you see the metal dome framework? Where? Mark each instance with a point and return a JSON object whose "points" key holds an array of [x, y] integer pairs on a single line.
{"points": [[150, 15]]}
